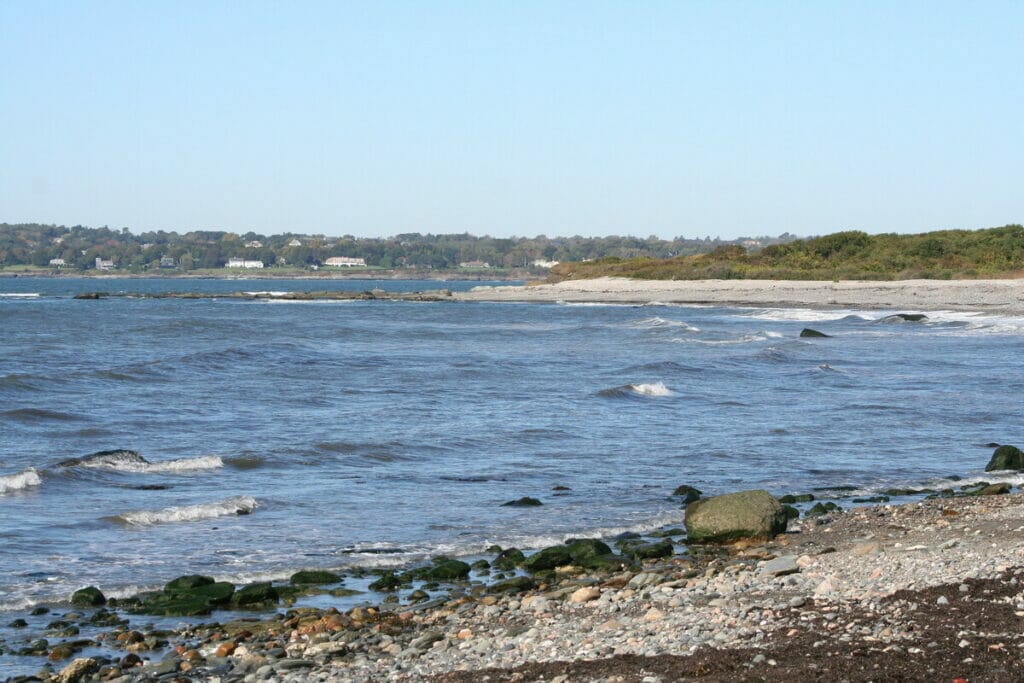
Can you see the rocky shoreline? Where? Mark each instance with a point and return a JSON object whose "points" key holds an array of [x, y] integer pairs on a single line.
{"points": [[926, 590]]}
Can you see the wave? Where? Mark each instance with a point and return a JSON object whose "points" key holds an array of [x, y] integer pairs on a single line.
{"points": [[131, 461], [806, 314], [653, 389], [19, 481], [744, 339], [236, 505], [39, 415], [19, 295], [657, 322]]}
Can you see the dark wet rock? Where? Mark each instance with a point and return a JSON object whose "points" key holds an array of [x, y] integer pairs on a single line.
{"points": [[91, 295], [509, 558], [188, 582], [734, 516], [255, 596], [808, 332], [589, 553], [791, 512], [872, 499], [39, 611], [1006, 458], [517, 584], [443, 569], [524, 502], [822, 509], [665, 533], [18, 623], [313, 577], [88, 597], [560, 488], [904, 318], [907, 492], [689, 494], [387, 582], [993, 490], [789, 499], [480, 565], [647, 551]]}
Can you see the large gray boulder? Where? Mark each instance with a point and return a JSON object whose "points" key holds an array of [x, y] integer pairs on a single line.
{"points": [[735, 516]]}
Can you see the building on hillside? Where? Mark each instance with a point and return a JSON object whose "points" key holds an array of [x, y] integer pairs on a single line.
{"points": [[541, 263], [242, 263], [168, 262], [295, 243], [103, 264], [57, 262], [474, 264], [255, 244], [345, 262]]}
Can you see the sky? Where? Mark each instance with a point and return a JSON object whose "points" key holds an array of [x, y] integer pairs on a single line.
{"points": [[509, 118]]}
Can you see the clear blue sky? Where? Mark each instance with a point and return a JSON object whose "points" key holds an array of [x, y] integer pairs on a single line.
{"points": [[667, 118]]}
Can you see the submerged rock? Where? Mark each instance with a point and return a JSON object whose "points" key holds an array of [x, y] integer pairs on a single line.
{"points": [[689, 494], [524, 502], [789, 499], [734, 516], [904, 317], [808, 332], [111, 457], [1006, 458]]}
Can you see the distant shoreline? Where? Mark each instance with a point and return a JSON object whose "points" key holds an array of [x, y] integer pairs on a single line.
{"points": [[439, 276], [992, 296]]}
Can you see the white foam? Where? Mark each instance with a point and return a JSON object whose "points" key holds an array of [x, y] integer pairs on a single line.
{"points": [[268, 293], [19, 481], [654, 389], [805, 314], [140, 465], [19, 295], [657, 322], [190, 513]]}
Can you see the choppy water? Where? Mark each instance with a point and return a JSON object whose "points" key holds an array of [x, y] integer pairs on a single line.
{"points": [[346, 427]]}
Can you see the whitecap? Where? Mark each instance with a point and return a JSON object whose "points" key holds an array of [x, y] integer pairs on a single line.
{"points": [[20, 481], [657, 322], [236, 505], [19, 295], [803, 314], [654, 389], [130, 461]]}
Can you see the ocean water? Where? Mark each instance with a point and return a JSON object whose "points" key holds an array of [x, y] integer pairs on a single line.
{"points": [[376, 433]]}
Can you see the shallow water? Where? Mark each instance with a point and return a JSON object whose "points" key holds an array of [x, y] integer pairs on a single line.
{"points": [[345, 427]]}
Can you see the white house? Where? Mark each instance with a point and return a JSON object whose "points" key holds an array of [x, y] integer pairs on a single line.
{"points": [[295, 243], [541, 263], [242, 263], [345, 262], [103, 264], [474, 264], [57, 262], [255, 244]]}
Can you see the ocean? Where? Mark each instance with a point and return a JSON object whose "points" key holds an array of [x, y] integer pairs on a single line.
{"points": [[374, 433]]}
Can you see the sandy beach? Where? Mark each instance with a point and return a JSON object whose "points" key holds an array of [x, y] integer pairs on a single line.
{"points": [[997, 296]]}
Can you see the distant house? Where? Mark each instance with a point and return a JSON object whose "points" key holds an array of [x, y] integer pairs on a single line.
{"points": [[345, 262], [295, 243], [255, 244], [168, 262], [57, 262], [541, 263], [474, 264], [242, 263], [103, 264]]}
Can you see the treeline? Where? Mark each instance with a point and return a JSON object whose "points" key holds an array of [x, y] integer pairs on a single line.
{"points": [[853, 255], [79, 247]]}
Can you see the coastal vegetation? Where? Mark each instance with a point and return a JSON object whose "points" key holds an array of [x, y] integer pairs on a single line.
{"points": [[850, 255], [35, 247]]}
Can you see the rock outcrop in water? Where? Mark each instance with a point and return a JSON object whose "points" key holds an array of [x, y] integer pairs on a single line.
{"points": [[689, 494], [905, 318], [808, 332], [1006, 458], [735, 516]]}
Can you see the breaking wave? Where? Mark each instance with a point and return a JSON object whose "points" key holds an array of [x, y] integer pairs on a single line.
{"points": [[656, 322], [654, 389], [236, 505], [19, 481], [19, 295], [130, 461]]}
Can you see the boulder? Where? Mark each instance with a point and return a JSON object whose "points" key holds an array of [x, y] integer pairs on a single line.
{"points": [[255, 596], [734, 516], [313, 577], [905, 318], [1006, 458], [88, 597], [517, 584], [647, 551], [808, 332], [822, 509], [509, 558], [993, 490], [589, 553], [186, 583]]}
